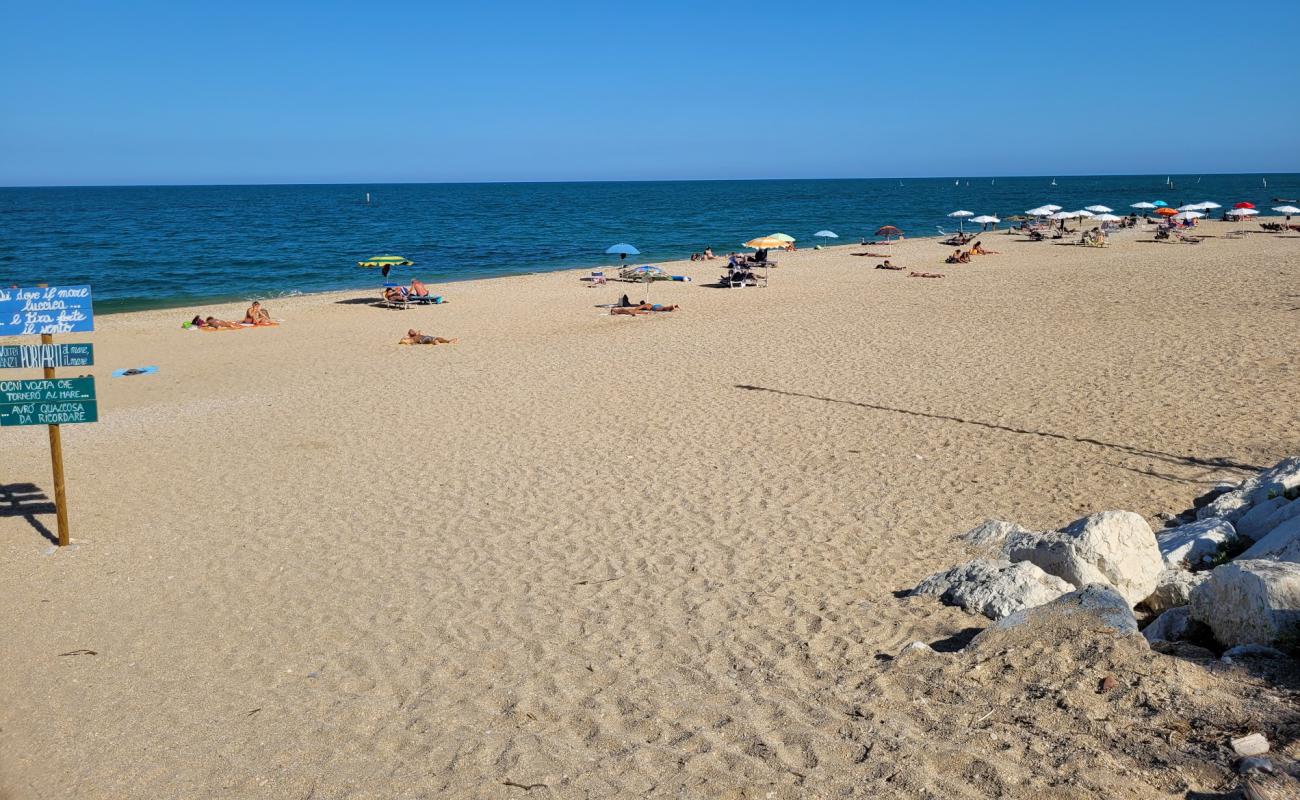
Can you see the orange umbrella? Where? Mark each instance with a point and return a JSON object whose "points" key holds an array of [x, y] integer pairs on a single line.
{"points": [[1166, 212]]}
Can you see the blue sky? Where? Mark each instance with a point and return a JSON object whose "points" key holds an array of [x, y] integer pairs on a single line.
{"points": [[291, 92]]}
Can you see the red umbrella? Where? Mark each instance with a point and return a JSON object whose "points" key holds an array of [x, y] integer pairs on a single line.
{"points": [[889, 232], [1244, 204], [1166, 212]]}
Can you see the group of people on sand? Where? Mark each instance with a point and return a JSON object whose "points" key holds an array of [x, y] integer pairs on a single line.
{"points": [[397, 294], [960, 256], [255, 316], [707, 255]]}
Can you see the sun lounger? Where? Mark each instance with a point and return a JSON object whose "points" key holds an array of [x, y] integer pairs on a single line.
{"points": [[597, 279], [404, 303]]}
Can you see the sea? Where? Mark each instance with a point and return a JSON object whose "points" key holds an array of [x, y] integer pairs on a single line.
{"points": [[186, 246]]}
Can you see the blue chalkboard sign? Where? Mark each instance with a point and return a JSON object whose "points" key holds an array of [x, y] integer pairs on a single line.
{"points": [[53, 309]]}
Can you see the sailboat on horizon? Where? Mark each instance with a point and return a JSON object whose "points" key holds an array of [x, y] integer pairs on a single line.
{"points": [[1053, 181]]}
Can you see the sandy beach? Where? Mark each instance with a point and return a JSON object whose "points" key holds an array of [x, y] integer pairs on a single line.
{"points": [[576, 555]]}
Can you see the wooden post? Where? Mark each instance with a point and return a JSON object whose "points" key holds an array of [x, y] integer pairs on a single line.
{"points": [[56, 458]]}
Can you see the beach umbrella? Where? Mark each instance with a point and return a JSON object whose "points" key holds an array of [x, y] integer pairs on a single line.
{"points": [[1144, 205], [1082, 213], [986, 219], [1191, 207], [1288, 210], [1099, 209], [1107, 218], [827, 234], [765, 243], [1208, 205], [647, 273], [1166, 211], [1052, 208], [1041, 211], [386, 261], [1243, 204], [782, 237], [1185, 215], [889, 232], [1243, 212], [623, 250], [961, 215], [1159, 204]]}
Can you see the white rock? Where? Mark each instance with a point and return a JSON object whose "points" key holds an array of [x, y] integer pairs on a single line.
{"points": [[1253, 523], [1173, 589], [1116, 548], [1287, 512], [1250, 601], [1087, 608], [1282, 477], [994, 588], [1174, 625], [1253, 744], [1281, 544], [1195, 544], [989, 538]]}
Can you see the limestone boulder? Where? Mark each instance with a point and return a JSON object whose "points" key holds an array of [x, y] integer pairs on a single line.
{"points": [[1254, 523], [994, 588], [1175, 625], [1173, 589], [989, 538], [1250, 602], [1283, 478], [1195, 545], [1095, 608], [1281, 544], [1116, 548]]}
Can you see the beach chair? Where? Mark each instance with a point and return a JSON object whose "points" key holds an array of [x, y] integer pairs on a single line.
{"points": [[389, 302], [597, 279]]}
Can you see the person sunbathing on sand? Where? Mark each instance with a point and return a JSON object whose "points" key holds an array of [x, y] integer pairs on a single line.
{"points": [[924, 275], [958, 256], [418, 289], [708, 254], [978, 250], [213, 323], [887, 265], [416, 337], [640, 308], [256, 315]]}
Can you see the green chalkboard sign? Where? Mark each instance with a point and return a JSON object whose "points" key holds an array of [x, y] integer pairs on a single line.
{"points": [[59, 401]]}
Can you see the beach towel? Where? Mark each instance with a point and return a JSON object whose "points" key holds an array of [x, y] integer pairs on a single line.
{"points": [[124, 373]]}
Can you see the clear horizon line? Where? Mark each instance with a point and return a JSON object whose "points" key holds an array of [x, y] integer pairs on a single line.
{"points": [[625, 180]]}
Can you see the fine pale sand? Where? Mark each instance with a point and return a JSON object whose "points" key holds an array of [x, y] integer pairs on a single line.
{"points": [[577, 555]]}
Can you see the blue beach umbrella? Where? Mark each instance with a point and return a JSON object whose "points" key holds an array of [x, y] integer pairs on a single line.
{"points": [[1160, 204], [623, 250]]}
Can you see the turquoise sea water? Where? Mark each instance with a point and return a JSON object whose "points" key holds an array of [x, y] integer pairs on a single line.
{"points": [[141, 247]]}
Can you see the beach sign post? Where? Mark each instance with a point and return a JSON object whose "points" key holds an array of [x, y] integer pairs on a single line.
{"points": [[52, 401]]}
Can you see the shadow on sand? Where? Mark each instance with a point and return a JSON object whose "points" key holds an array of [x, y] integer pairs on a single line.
{"points": [[26, 500], [1207, 462]]}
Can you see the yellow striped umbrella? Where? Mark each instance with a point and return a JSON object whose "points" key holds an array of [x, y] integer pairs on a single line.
{"points": [[766, 242], [386, 261]]}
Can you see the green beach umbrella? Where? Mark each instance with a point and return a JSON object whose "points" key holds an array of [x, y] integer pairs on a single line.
{"points": [[386, 261]]}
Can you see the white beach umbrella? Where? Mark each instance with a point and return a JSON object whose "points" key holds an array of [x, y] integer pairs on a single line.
{"points": [[1083, 214], [1041, 211], [827, 234], [1191, 207], [1052, 207], [1242, 212], [1143, 204], [961, 215], [986, 219], [1185, 215], [1207, 205], [1064, 215], [1099, 209], [1107, 218], [1288, 210]]}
